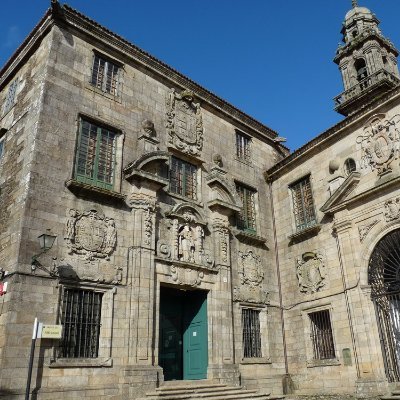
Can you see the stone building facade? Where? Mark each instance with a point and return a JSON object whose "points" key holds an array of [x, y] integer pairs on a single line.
{"points": [[190, 245]]}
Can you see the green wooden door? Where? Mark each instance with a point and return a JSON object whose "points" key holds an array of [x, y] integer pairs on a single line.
{"points": [[170, 355], [195, 337], [183, 334]]}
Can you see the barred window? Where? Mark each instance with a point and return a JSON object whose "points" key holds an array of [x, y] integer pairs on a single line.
{"points": [[105, 75], [10, 99], [303, 204], [183, 178], [2, 141], [321, 335], [81, 321], [243, 147], [95, 157], [251, 333], [246, 219], [349, 166]]}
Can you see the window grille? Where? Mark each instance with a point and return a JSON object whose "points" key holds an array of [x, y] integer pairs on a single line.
{"points": [[105, 75], [95, 159], [350, 166], [321, 335], [10, 99], [243, 147], [303, 204], [183, 178], [80, 317], [251, 333], [246, 219]]}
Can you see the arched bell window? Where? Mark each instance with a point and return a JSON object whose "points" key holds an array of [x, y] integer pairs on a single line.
{"points": [[361, 69]]}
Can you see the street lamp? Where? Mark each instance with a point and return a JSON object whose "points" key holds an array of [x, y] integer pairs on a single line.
{"points": [[46, 241]]}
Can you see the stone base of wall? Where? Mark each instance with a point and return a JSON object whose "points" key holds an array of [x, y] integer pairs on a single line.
{"points": [[140, 379], [367, 388], [228, 374]]}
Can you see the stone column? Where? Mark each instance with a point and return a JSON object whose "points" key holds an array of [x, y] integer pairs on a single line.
{"points": [[370, 380]]}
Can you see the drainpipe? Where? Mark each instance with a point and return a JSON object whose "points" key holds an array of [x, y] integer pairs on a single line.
{"points": [[286, 381]]}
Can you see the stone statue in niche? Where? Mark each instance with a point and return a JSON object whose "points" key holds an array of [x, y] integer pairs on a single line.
{"points": [[190, 243], [380, 143], [311, 272], [184, 122], [90, 234]]}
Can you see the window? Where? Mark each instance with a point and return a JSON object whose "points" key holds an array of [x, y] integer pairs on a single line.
{"points": [[361, 69], [183, 178], [349, 166], [303, 204], [247, 217], [251, 333], [105, 75], [321, 335], [80, 318], [10, 99], [243, 147], [95, 157]]}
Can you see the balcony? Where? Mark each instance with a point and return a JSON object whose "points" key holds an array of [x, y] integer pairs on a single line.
{"points": [[366, 90]]}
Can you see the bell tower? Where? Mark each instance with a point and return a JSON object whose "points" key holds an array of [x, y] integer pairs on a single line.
{"points": [[366, 59]]}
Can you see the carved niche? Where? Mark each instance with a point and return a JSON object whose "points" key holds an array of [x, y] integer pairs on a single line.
{"points": [[380, 143], [186, 237], [184, 122], [222, 235], [90, 234], [251, 277], [392, 209], [311, 272]]}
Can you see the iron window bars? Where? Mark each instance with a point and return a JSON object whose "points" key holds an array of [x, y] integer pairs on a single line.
{"points": [[246, 219], [95, 159], [303, 204], [321, 335], [243, 147], [251, 333], [105, 75], [183, 178], [81, 320]]}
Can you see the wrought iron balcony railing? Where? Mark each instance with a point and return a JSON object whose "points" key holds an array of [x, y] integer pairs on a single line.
{"points": [[366, 83]]}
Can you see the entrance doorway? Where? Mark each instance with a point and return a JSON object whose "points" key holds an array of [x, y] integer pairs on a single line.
{"points": [[183, 335], [384, 278]]}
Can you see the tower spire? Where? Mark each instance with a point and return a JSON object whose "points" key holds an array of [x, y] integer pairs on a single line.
{"points": [[354, 3]]}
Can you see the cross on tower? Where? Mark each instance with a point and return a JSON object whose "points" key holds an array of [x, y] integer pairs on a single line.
{"points": [[354, 3]]}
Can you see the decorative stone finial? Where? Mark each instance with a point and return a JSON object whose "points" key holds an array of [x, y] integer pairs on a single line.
{"points": [[354, 3]]}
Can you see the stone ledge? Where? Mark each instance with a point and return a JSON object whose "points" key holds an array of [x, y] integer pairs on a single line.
{"points": [[79, 188], [323, 363], [81, 362], [249, 238], [305, 233]]}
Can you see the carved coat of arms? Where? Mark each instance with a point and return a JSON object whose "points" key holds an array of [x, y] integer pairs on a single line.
{"points": [[90, 234], [311, 272], [184, 122], [380, 143], [250, 271]]}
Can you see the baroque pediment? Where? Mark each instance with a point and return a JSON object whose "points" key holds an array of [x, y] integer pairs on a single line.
{"points": [[187, 213], [335, 202]]}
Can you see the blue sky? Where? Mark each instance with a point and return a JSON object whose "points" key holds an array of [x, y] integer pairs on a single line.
{"points": [[270, 58]]}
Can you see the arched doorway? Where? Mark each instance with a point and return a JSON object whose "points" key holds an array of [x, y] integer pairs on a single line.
{"points": [[384, 278]]}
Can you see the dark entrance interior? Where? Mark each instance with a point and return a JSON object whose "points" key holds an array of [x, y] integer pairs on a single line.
{"points": [[183, 334]]}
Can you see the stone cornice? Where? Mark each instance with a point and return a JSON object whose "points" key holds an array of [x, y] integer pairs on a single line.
{"points": [[84, 24], [331, 134]]}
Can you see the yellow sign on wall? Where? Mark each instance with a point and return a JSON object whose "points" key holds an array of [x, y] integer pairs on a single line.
{"points": [[51, 331]]}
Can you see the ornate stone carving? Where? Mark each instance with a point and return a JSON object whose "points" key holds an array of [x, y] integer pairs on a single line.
{"points": [[222, 231], [250, 269], [148, 226], [392, 209], [311, 272], [380, 143], [364, 229], [148, 128], [90, 234], [186, 276], [163, 249], [140, 201], [184, 122]]}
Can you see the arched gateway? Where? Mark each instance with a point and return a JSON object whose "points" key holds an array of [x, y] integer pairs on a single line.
{"points": [[384, 278]]}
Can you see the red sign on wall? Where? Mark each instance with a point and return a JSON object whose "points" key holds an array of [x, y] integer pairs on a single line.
{"points": [[3, 288]]}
